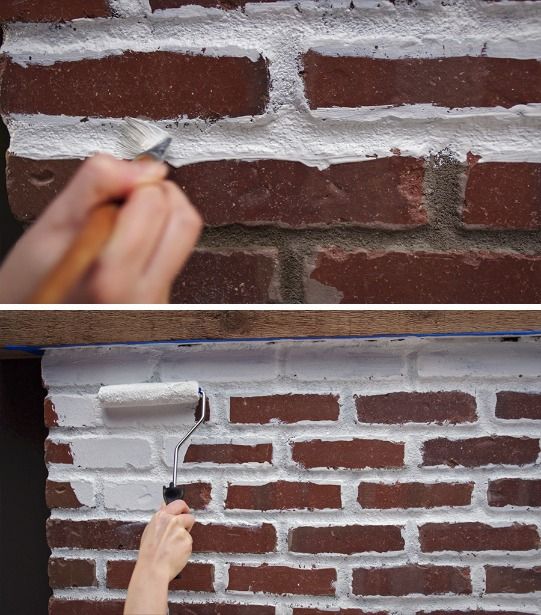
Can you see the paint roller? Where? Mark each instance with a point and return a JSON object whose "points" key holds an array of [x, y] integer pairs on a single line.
{"points": [[184, 395]]}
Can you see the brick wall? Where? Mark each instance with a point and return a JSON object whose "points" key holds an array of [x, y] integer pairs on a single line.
{"points": [[397, 477], [338, 151]]}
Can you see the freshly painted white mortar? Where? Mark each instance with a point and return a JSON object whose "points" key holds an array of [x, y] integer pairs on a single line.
{"points": [[282, 31]]}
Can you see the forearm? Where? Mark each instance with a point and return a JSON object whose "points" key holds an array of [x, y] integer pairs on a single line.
{"points": [[147, 592]]}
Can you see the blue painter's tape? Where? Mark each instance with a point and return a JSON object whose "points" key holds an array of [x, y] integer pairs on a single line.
{"points": [[39, 350]]}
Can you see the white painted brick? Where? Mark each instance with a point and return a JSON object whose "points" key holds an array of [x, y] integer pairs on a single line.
{"points": [[84, 490], [75, 410], [484, 359], [222, 364], [111, 452], [323, 361], [107, 365], [141, 495]]}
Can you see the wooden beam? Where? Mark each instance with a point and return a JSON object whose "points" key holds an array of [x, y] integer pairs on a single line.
{"points": [[51, 328]]}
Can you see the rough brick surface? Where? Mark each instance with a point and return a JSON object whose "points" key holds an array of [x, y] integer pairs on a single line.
{"points": [[60, 606], [52, 10], [441, 407], [229, 453], [514, 492], [283, 408], [60, 494], [360, 276], [233, 539], [229, 276], [506, 579], [474, 452], [64, 572], [503, 195], [94, 534], [291, 194], [195, 577], [303, 516], [477, 537], [347, 539], [515, 405], [341, 81], [190, 85], [283, 495], [414, 495], [412, 579], [348, 454], [58, 452], [282, 580]]}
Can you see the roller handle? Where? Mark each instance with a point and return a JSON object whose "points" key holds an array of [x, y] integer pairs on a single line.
{"points": [[80, 255], [170, 494]]}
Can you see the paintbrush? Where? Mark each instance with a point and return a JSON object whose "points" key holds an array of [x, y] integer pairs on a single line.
{"points": [[139, 141]]}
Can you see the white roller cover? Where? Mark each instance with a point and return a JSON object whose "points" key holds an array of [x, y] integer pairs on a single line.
{"points": [[149, 394]]}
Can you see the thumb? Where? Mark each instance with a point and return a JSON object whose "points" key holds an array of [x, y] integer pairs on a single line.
{"points": [[177, 507]]}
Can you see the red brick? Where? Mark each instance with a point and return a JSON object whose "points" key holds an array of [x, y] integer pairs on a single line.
{"points": [[52, 10], [346, 539], [477, 537], [182, 85], [283, 409], [359, 276], [235, 276], [514, 405], [355, 81], [176, 608], [58, 452], [59, 606], [505, 579], [216, 538], [475, 452], [195, 577], [198, 495], [61, 495], [336, 612], [94, 534], [414, 495], [403, 407], [229, 453], [283, 495], [277, 192], [411, 579], [282, 580], [50, 417], [385, 193], [514, 492], [71, 572], [503, 195], [350, 454]]}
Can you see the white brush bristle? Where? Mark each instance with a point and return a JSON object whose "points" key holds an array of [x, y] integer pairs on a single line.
{"points": [[138, 137], [149, 394]]}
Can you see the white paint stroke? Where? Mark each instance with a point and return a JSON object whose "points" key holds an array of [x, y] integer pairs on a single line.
{"points": [[291, 135]]}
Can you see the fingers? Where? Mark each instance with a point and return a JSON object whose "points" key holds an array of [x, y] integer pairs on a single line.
{"points": [[177, 507], [178, 241], [100, 179], [141, 223]]}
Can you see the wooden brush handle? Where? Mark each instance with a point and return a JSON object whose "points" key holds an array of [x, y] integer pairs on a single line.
{"points": [[79, 256]]}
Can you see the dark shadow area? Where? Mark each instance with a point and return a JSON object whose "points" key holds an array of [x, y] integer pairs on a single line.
{"points": [[10, 229], [24, 585]]}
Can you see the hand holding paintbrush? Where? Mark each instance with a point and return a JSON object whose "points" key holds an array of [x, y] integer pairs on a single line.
{"points": [[118, 233]]}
